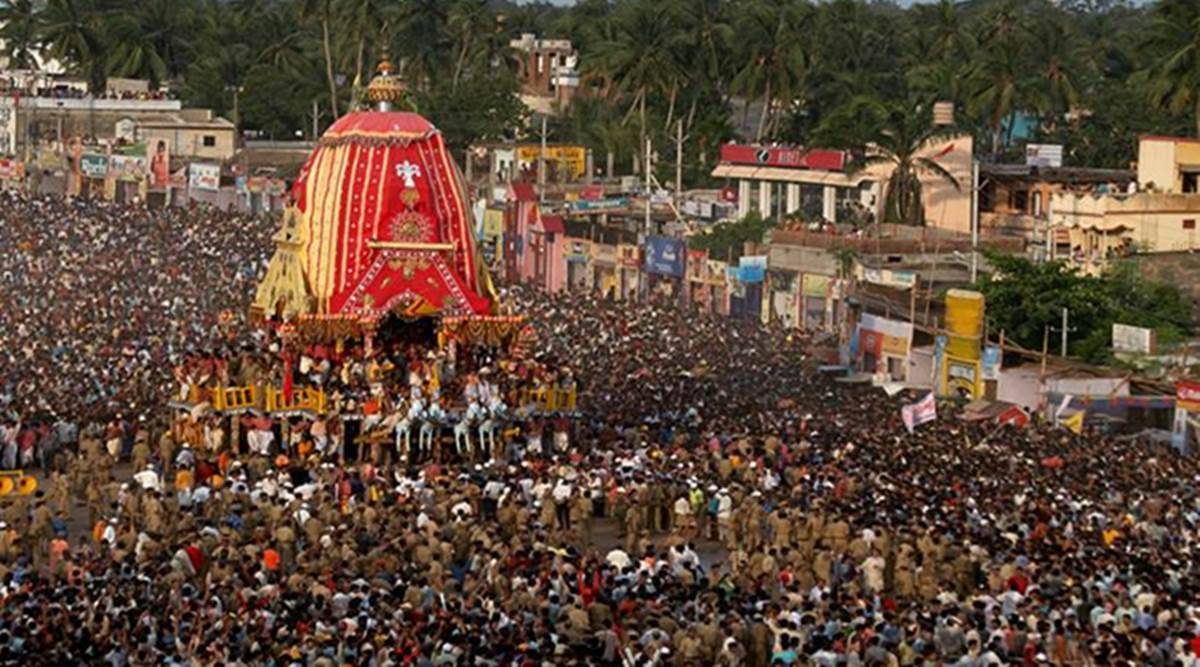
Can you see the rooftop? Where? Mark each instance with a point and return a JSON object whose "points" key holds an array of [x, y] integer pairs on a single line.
{"points": [[1025, 172]]}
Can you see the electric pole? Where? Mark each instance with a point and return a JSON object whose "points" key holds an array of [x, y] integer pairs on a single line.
{"points": [[647, 170], [678, 161], [542, 166]]}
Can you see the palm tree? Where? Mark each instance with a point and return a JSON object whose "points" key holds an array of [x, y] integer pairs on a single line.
{"points": [[898, 137], [21, 26], [995, 81], [151, 40], [1175, 72], [322, 11], [1058, 61], [637, 55], [470, 22], [71, 31], [424, 40], [774, 60], [362, 23]]}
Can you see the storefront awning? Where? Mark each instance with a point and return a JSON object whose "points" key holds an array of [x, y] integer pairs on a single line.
{"points": [[806, 176]]}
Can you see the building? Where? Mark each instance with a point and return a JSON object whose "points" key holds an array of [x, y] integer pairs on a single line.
{"points": [[27, 121], [548, 72], [1014, 199], [778, 181], [1160, 216], [194, 134]]}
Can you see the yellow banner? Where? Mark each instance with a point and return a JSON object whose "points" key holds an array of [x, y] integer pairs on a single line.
{"points": [[571, 159]]}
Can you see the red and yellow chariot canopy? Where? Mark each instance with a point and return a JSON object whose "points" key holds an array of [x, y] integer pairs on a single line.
{"points": [[382, 223]]}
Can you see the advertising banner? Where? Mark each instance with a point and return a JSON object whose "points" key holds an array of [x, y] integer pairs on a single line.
{"points": [[128, 168], [665, 256], [752, 268], [11, 170], [578, 252], [783, 156], [991, 362], [816, 285], [204, 176], [1187, 395], [93, 165], [921, 412], [598, 204]]}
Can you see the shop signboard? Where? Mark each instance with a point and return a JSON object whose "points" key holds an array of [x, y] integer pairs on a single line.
{"points": [[665, 256], [93, 165], [204, 176]]}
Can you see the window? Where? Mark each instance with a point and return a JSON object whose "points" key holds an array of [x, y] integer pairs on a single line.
{"points": [[1019, 200], [1190, 182], [1189, 223], [209, 141]]}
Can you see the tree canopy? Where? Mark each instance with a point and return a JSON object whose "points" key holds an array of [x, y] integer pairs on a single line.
{"points": [[1026, 299], [1088, 73]]}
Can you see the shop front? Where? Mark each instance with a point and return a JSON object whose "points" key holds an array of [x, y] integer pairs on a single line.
{"points": [[604, 270], [1185, 432], [629, 272], [665, 264], [578, 259], [884, 346]]}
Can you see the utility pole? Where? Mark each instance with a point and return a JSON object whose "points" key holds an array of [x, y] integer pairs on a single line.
{"points": [[647, 171], [678, 161], [542, 166], [974, 221], [316, 122], [1064, 331]]}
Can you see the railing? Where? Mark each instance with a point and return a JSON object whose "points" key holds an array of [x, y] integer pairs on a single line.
{"points": [[307, 399], [550, 399], [235, 398]]}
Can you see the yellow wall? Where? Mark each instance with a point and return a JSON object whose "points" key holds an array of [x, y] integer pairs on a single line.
{"points": [[1160, 159]]}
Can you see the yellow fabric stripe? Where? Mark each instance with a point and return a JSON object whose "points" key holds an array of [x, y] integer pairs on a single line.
{"points": [[322, 224], [311, 203], [333, 216]]}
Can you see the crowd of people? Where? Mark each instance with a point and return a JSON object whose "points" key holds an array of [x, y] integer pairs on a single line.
{"points": [[718, 500], [99, 301]]}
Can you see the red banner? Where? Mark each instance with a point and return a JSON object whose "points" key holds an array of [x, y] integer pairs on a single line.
{"points": [[782, 156], [1187, 395]]}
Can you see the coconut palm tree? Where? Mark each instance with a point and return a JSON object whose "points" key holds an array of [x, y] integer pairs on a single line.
{"points": [[774, 60], [323, 13], [898, 136], [361, 24], [72, 33], [1175, 72], [638, 54], [151, 40], [21, 27]]}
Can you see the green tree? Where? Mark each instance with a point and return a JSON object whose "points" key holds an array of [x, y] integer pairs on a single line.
{"points": [[895, 135], [72, 31], [726, 240], [1175, 72], [1026, 299], [20, 28], [773, 60]]}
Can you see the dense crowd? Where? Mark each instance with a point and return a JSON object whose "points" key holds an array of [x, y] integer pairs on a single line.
{"points": [[718, 502], [99, 301]]}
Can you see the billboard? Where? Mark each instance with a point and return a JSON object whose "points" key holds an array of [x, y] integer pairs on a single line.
{"points": [[1044, 155], [665, 256], [128, 168], [783, 156], [93, 165], [204, 176], [570, 161], [1126, 338], [160, 166]]}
